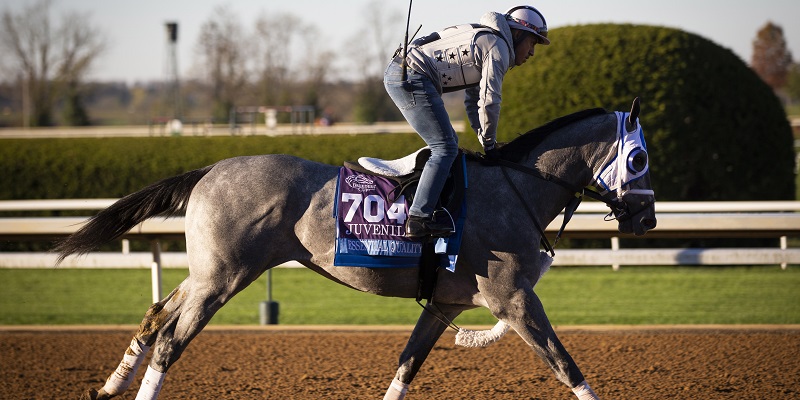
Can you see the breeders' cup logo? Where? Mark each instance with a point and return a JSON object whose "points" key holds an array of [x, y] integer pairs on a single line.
{"points": [[360, 183]]}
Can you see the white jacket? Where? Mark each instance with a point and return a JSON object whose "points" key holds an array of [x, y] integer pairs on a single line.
{"points": [[471, 57]]}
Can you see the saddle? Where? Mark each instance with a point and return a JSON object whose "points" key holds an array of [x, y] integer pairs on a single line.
{"points": [[400, 168], [405, 172]]}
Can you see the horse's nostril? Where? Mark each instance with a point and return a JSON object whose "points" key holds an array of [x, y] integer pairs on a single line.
{"points": [[649, 223]]}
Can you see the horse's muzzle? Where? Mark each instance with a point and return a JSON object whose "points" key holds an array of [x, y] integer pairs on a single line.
{"points": [[648, 223]]}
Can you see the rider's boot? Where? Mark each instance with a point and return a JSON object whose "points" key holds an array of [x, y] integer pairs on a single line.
{"points": [[435, 225]]}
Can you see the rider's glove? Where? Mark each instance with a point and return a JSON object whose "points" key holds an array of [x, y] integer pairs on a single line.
{"points": [[491, 153]]}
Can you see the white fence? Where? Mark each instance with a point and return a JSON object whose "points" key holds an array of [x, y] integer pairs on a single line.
{"points": [[751, 219], [763, 219], [758, 219], [203, 129]]}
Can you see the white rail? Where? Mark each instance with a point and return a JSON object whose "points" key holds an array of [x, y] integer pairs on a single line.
{"points": [[742, 219]]}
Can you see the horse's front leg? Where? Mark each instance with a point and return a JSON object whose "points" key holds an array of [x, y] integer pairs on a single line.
{"points": [[535, 329], [511, 298], [426, 332]]}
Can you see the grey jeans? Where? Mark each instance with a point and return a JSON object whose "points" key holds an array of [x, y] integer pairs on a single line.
{"points": [[423, 108]]}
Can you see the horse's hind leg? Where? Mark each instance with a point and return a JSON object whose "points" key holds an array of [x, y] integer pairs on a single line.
{"points": [[170, 325], [119, 381], [191, 307], [426, 332]]}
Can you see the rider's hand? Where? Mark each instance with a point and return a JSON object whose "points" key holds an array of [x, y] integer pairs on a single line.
{"points": [[491, 154]]}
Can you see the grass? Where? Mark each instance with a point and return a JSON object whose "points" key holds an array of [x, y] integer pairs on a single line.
{"points": [[576, 295]]}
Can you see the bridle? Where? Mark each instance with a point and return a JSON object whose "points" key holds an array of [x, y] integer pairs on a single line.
{"points": [[625, 213], [620, 210], [614, 199], [616, 204]]}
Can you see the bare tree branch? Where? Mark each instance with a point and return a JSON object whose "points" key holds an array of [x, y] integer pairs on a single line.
{"points": [[46, 58], [273, 38], [221, 48]]}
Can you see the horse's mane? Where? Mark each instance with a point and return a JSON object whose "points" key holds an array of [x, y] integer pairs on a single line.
{"points": [[521, 145]]}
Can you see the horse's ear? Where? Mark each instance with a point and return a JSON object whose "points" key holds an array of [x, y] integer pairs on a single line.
{"points": [[635, 109]]}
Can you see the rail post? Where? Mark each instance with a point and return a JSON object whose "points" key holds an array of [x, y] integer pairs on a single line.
{"points": [[155, 270], [784, 246], [269, 309]]}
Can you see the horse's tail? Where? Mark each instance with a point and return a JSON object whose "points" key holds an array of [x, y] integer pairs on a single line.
{"points": [[166, 198]]}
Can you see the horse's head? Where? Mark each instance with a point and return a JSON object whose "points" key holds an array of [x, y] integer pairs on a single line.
{"points": [[625, 179]]}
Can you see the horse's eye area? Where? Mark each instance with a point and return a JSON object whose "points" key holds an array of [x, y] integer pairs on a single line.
{"points": [[637, 160]]}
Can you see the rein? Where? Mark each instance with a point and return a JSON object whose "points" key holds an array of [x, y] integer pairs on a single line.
{"points": [[613, 203], [616, 204]]}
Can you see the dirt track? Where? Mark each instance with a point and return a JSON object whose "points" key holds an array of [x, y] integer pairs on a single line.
{"points": [[676, 364]]}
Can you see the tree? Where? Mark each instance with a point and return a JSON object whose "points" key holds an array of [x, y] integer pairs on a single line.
{"points": [[272, 49], [221, 48], [50, 60], [285, 78], [371, 49], [316, 69], [79, 48], [771, 59], [74, 110], [793, 82], [715, 130]]}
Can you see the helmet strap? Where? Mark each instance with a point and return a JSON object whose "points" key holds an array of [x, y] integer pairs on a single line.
{"points": [[518, 35]]}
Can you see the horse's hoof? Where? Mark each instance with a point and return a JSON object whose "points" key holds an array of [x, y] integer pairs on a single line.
{"points": [[92, 394]]}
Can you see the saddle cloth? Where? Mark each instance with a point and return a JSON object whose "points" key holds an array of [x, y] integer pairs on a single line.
{"points": [[371, 206]]}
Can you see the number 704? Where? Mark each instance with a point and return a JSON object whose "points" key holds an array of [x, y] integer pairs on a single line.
{"points": [[373, 208]]}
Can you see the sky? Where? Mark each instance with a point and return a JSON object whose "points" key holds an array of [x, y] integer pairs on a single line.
{"points": [[137, 42]]}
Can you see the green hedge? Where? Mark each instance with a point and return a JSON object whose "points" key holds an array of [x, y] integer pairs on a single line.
{"points": [[715, 130], [114, 167]]}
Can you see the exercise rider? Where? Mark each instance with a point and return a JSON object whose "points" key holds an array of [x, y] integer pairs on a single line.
{"points": [[470, 57]]}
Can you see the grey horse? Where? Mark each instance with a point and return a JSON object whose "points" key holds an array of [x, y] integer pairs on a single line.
{"points": [[246, 215]]}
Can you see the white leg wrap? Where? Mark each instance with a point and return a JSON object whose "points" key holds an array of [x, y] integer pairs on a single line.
{"points": [[397, 390], [151, 384], [584, 392], [123, 376], [470, 338]]}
